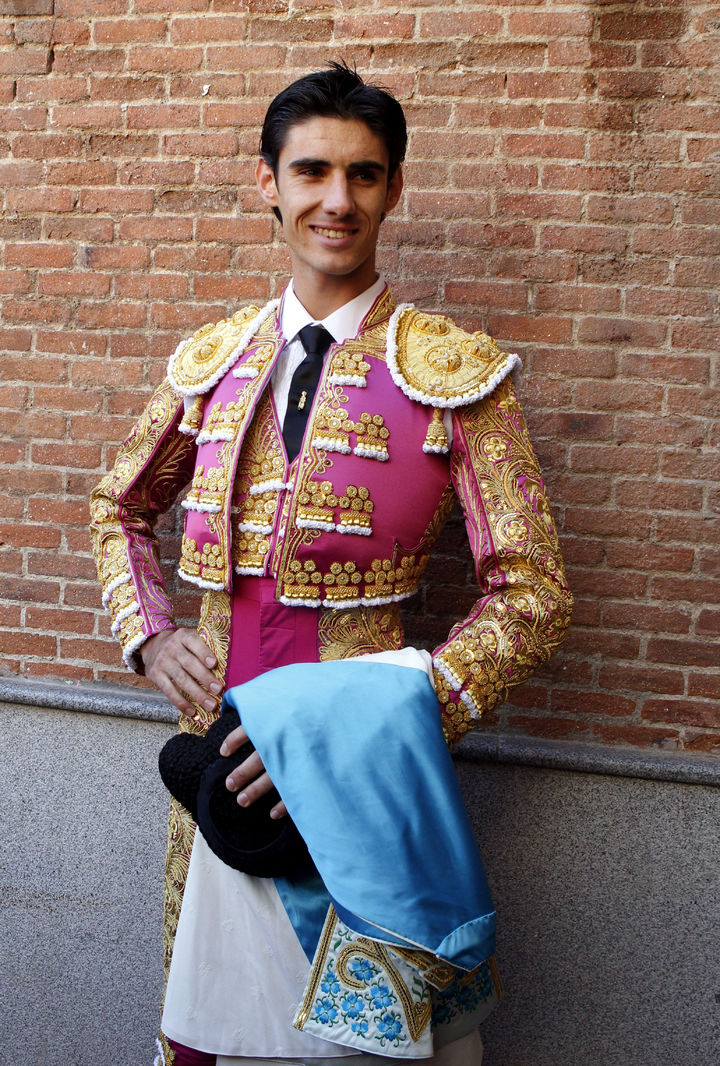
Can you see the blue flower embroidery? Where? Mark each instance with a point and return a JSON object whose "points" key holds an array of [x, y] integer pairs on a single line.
{"points": [[361, 970], [360, 1027], [390, 1028], [331, 985], [353, 1005], [381, 996], [325, 1012]]}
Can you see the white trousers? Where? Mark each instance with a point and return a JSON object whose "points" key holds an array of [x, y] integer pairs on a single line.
{"points": [[465, 1052]]}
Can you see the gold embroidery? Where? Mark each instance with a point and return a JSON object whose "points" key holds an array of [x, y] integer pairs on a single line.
{"points": [[206, 564], [343, 634], [417, 1013], [317, 969], [372, 437], [192, 419], [356, 508], [222, 422], [436, 438], [437, 361], [214, 628], [208, 491], [316, 504], [518, 627], [249, 551], [195, 365]]}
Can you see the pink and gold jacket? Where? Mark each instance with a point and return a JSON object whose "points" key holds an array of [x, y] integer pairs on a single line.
{"points": [[349, 527]]}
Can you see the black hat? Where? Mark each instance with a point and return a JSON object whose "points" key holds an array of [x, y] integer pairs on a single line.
{"points": [[246, 838]]}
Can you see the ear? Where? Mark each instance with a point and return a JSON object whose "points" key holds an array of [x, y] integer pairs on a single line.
{"points": [[265, 181], [395, 187]]}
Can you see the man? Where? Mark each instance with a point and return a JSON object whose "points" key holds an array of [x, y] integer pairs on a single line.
{"points": [[323, 468]]}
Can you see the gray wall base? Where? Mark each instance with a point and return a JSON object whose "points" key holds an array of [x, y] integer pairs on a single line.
{"points": [[606, 889]]}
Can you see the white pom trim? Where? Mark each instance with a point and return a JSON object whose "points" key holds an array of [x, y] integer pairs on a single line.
{"points": [[121, 579], [452, 679], [347, 379], [247, 336], [314, 523], [274, 485], [132, 608], [511, 363], [159, 1059], [245, 372], [250, 571], [188, 431], [358, 601], [436, 449], [203, 508], [201, 582], [371, 453], [253, 527], [363, 531], [331, 444], [129, 650], [470, 703], [212, 436]]}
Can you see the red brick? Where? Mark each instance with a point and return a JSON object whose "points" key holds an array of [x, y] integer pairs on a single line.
{"points": [[637, 736], [641, 679], [568, 701], [557, 728], [682, 652], [682, 712], [706, 743]]}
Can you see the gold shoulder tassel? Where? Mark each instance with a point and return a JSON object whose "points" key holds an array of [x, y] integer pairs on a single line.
{"points": [[436, 439], [192, 420]]}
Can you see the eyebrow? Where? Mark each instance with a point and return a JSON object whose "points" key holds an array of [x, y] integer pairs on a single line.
{"points": [[360, 164]]}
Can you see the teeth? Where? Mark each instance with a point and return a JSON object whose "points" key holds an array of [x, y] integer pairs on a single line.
{"points": [[331, 232]]}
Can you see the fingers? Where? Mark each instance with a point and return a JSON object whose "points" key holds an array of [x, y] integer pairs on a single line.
{"points": [[233, 741], [251, 780], [179, 663]]}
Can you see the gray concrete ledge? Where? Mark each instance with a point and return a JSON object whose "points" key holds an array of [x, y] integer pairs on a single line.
{"points": [[122, 702], [118, 701]]}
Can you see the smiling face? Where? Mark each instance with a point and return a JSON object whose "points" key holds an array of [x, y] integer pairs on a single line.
{"points": [[331, 186]]}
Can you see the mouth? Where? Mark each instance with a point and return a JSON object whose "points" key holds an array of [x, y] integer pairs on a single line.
{"points": [[333, 234]]}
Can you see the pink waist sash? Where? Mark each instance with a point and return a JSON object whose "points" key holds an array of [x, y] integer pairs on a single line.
{"points": [[265, 634]]}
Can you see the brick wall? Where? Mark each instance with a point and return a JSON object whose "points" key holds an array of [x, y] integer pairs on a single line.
{"points": [[562, 189]]}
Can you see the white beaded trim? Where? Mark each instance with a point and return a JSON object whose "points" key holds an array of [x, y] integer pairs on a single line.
{"points": [[453, 681], [132, 608], [200, 581], [212, 436], [358, 601], [276, 485], [314, 523], [513, 360], [347, 379], [247, 336], [371, 453], [131, 648], [121, 579], [253, 527], [470, 703], [331, 444], [203, 508], [363, 531]]}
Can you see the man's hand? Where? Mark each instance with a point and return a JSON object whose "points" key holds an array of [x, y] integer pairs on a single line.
{"points": [[179, 663], [250, 776]]}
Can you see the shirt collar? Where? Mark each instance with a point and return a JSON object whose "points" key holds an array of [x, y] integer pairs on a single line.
{"points": [[341, 324]]}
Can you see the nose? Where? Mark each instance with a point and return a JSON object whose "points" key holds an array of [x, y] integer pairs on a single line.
{"points": [[338, 198]]}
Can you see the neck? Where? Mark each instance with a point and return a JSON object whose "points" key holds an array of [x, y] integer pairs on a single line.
{"points": [[322, 295]]}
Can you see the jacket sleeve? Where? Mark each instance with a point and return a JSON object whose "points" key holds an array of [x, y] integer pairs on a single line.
{"points": [[525, 604], [150, 469]]}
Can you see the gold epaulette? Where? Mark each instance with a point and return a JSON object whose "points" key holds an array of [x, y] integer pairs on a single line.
{"points": [[200, 362], [435, 362]]}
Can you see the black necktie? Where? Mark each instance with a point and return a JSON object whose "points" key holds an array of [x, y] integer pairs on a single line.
{"points": [[315, 340]]}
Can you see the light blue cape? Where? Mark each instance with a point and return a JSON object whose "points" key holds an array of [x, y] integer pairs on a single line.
{"points": [[356, 750]]}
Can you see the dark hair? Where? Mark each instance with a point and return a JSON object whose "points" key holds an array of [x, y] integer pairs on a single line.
{"points": [[338, 92]]}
